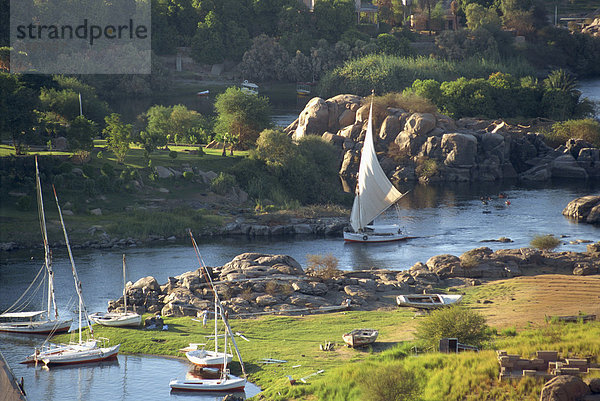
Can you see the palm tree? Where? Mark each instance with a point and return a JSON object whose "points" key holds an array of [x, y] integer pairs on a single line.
{"points": [[562, 80]]}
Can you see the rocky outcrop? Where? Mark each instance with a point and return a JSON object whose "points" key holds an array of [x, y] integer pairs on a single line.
{"points": [[256, 283], [585, 209], [458, 151], [564, 388]]}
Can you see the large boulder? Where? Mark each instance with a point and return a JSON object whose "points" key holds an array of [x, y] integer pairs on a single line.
{"points": [[146, 284], [313, 120], [420, 124], [564, 388], [389, 129], [565, 166], [409, 143], [460, 150], [582, 207]]}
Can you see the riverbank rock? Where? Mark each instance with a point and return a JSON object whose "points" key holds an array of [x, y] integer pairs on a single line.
{"points": [[256, 283], [585, 209], [466, 150], [564, 388]]}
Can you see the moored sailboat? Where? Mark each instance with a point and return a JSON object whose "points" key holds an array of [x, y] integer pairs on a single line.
{"points": [[15, 319], [118, 319], [226, 382], [374, 195], [91, 350]]}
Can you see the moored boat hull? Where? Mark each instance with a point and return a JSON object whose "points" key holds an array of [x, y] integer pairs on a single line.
{"points": [[86, 356], [208, 359], [360, 337], [230, 384], [363, 237], [45, 327], [116, 319], [428, 301]]}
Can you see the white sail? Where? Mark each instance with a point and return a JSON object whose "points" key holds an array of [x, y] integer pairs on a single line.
{"points": [[374, 191]]}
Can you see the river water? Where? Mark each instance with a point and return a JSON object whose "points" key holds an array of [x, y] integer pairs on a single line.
{"points": [[445, 219]]}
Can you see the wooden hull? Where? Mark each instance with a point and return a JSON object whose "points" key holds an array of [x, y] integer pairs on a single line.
{"points": [[427, 301], [360, 338], [208, 359], [43, 327], [368, 238], [70, 357], [116, 319], [230, 384]]}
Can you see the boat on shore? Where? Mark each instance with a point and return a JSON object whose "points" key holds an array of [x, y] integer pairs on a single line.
{"points": [[90, 350], [249, 87], [118, 319], [360, 337], [225, 382], [427, 301], [374, 195], [15, 319]]}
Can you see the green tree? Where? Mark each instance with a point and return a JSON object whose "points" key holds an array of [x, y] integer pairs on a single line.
{"points": [[481, 17], [275, 148], [81, 133], [333, 17], [118, 136], [242, 114], [265, 60], [17, 104], [389, 44], [454, 322]]}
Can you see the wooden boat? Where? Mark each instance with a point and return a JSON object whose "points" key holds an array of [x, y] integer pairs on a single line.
{"points": [[225, 382], [249, 87], [360, 337], [116, 319], [82, 351], [427, 301], [14, 319], [374, 195]]}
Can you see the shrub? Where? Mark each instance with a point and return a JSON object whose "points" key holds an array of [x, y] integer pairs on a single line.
{"points": [[545, 242], [454, 322], [384, 384], [222, 183], [427, 168], [107, 170], [100, 155], [173, 154], [188, 175], [89, 171], [25, 203], [325, 267], [587, 129]]}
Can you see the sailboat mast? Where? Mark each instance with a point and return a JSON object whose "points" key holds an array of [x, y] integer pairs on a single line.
{"points": [[216, 329], [212, 287], [124, 285], [74, 270], [47, 261]]}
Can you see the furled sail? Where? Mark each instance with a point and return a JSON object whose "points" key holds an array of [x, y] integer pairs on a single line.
{"points": [[374, 191]]}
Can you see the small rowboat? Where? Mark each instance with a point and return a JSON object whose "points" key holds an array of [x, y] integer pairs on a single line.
{"points": [[427, 301], [226, 383], [360, 337], [203, 93]]}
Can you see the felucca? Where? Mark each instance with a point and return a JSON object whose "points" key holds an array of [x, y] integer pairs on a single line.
{"points": [[374, 195], [15, 319]]}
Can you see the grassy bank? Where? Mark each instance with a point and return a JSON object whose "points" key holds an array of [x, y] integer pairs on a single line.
{"points": [[468, 376]]}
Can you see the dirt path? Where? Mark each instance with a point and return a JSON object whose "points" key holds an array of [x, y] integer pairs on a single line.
{"points": [[528, 300]]}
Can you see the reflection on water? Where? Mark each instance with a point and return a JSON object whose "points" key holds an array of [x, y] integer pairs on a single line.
{"points": [[131, 377]]}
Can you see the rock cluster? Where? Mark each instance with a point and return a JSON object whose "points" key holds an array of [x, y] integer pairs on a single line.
{"points": [[593, 28], [570, 388], [254, 283], [585, 209], [433, 147]]}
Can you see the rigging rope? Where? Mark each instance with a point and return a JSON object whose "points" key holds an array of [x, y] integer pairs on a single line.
{"points": [[16, 303]]}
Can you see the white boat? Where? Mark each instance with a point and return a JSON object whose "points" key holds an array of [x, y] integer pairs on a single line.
{"points": [[427, 301], [360, 337], [116, 319], [225, 382], [14, 319], [203, 93], [208, 359], [249, 87], [82, 351], [374, 195]]}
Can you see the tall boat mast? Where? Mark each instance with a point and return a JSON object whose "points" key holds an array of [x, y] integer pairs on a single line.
{"points": [[47, 257], [82, 308]]}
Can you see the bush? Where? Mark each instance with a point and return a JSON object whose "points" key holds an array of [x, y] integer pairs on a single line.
{"points": [[587, 129], [384, 384], [325, 267], [89, 171], [173, 154], [454, 322], [107, 170], [188, 175], [545, 242], [100, 155], [223, 183]]}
